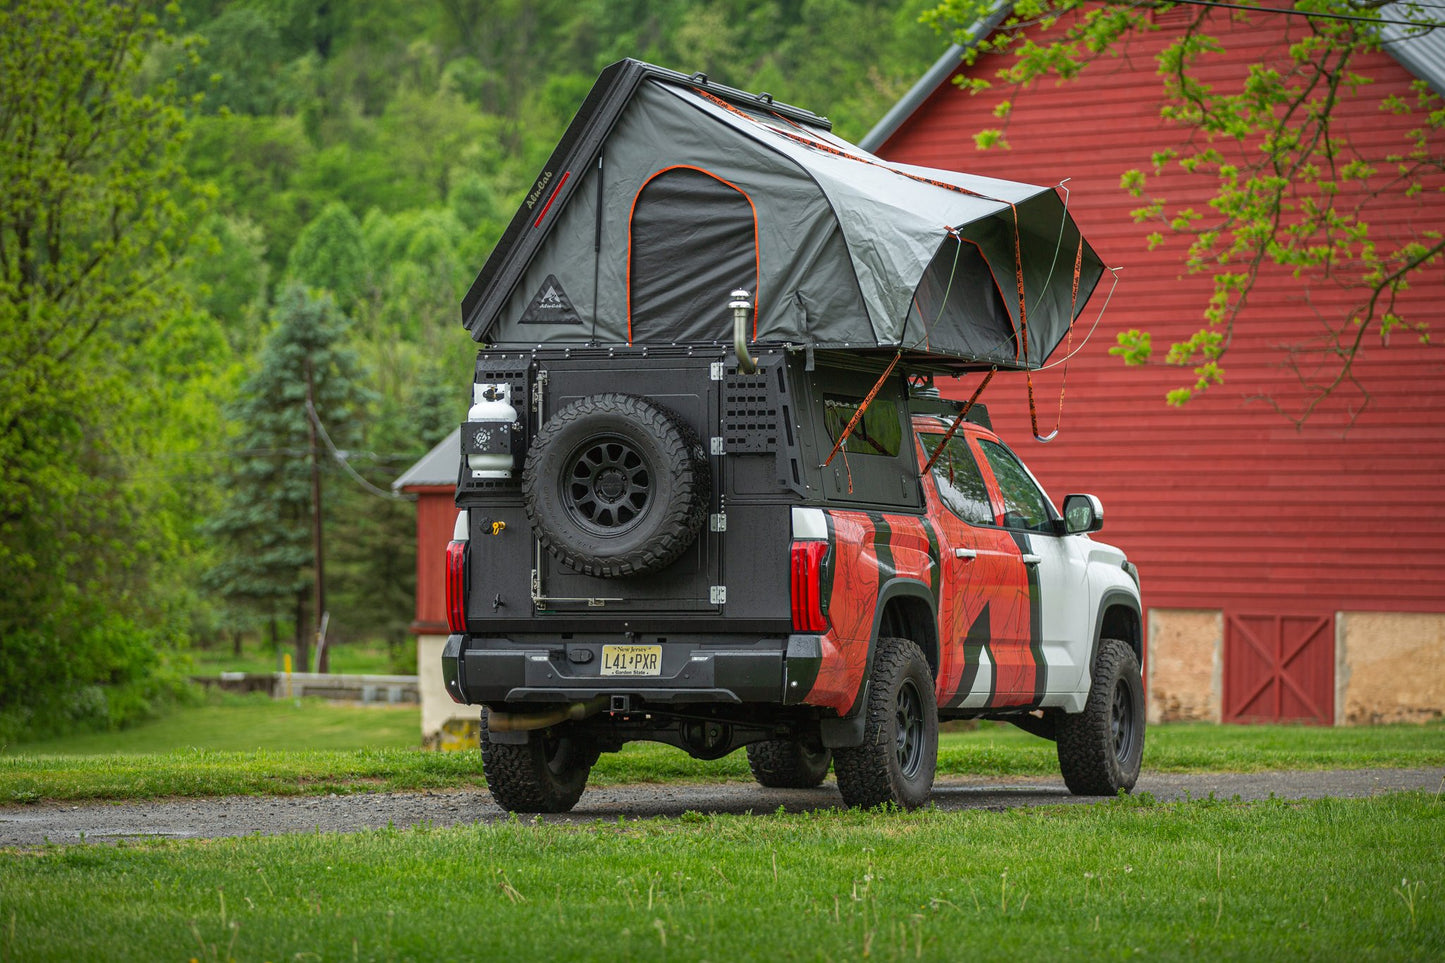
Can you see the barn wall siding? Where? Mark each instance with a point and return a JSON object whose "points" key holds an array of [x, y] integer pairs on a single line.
{"points": [[444, 724], [436, 516], [1222, 503]]}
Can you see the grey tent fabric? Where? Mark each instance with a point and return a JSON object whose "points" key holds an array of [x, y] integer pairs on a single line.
{"points": [[692, 193]]}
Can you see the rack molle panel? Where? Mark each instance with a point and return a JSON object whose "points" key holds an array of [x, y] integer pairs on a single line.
{"points": [[751, 409], [757, 418]]}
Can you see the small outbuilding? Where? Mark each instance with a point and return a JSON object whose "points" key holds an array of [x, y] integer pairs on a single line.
{"points": [[433, 480]]}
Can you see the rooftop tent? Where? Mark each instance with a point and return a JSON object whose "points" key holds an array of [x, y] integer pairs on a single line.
{"points": [[667, 192]]}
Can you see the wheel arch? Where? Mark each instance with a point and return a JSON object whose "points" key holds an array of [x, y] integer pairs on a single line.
{"points": [[1119, 617], [906, 610]]}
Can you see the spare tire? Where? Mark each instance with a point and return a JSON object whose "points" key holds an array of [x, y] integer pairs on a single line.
{"points": [[616, 485]]}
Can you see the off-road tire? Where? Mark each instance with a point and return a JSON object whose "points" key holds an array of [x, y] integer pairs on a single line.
{"points": [[896, 762], [785, 764], [545, 775], [616, 485], [1100, 749]]}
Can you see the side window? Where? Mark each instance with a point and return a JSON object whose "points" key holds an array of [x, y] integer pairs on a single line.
{"points": [[1023, 504], [878, 432], [960, 486]]}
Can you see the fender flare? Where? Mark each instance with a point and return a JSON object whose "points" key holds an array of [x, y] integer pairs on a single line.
{"points": [[847, 731], [1116, 597], [894, 588]]}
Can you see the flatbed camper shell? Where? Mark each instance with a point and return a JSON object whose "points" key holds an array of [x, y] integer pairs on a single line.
{"points": [[668, 192]]}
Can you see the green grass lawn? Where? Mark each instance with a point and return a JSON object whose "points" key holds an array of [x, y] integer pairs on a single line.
{"points": [[1324, 879], [257, 745], [242, 723]]}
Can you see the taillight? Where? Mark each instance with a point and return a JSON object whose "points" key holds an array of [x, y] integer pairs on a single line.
{"points": [[807, 586], [457, 586]]}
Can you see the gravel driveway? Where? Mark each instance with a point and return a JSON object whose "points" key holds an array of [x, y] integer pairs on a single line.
{"points": [[35, 824]]}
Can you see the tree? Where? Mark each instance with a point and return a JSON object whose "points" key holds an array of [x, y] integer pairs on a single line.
{"points": [[96, 215], [307, 382], [1289, 189], [329, 255]]}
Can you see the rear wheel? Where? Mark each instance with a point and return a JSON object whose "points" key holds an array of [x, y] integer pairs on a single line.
{"points": [[546, 774], [896, 761], [1100, 749], [785, 764]]}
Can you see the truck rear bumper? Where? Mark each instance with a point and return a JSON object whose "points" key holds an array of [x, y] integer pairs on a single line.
{"points": [[496, 670]]}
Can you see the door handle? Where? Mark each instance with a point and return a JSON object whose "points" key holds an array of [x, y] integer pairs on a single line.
{"points": [[1032, 560], [964, 553]]}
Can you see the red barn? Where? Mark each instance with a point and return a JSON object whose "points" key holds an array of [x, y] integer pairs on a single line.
{"points": [[1289, 574]]}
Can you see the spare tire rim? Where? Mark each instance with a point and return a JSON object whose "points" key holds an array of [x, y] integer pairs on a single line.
{"points": [[608, 485], [908, 729]]}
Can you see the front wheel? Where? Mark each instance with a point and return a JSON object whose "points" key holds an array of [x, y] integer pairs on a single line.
{"points": [[896, 761], [1100, 749], [546, 774]]}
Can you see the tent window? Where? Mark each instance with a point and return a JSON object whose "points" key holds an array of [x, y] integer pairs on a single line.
{"points": [[693, 240], [959, 306]]}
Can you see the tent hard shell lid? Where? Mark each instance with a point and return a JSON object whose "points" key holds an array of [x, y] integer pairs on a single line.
{"points": [[667, 192]]}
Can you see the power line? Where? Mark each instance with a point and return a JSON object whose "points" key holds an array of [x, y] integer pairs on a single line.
{"points": [[342, 460]]}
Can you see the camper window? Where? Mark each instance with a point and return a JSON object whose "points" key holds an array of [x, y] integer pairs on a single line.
{"points": [[878, 432]]}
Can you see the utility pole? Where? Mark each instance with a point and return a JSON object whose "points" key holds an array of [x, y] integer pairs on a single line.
{"points": [[319, 597]]}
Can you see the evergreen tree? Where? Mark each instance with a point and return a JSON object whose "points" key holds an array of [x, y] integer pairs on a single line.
{"points": [[307, 384]]}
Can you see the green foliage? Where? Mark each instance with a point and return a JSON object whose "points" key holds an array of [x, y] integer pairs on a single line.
{"points": [[98, 214], [330, 256], [1288, 187]]}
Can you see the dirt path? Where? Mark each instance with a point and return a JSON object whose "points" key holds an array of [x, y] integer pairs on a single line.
{"points": [[31, 825]]}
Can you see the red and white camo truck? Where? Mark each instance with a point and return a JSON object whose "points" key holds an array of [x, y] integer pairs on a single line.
{"points": [[710, 494]]}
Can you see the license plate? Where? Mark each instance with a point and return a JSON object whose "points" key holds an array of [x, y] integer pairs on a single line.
{"points": [[632, 660]]}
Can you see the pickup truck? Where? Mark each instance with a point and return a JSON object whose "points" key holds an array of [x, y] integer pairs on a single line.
{"points": [[816, 560]]}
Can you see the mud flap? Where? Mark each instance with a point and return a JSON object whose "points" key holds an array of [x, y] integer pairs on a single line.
{"points": [[846, 733]]}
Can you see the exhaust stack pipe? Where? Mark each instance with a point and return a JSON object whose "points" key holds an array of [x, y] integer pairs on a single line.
{"points": [[741, 305]]}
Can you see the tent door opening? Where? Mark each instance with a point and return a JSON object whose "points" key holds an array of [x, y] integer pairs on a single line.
{"points": [[692, 239]]}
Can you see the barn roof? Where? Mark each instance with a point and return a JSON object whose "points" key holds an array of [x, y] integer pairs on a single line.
{"points": [[1420, 51]]}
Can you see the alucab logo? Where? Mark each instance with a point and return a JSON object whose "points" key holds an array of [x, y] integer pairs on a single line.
{"points": [[536, 194]]}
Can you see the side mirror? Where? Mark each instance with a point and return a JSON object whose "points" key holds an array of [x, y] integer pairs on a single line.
{"points": [[1083, 513]]}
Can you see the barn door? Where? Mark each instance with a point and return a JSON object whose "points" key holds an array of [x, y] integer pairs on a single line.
{"points": [[1279, 668]]}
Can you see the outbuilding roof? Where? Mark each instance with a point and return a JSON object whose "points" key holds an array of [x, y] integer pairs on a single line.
{"points": [[437, 468]]}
